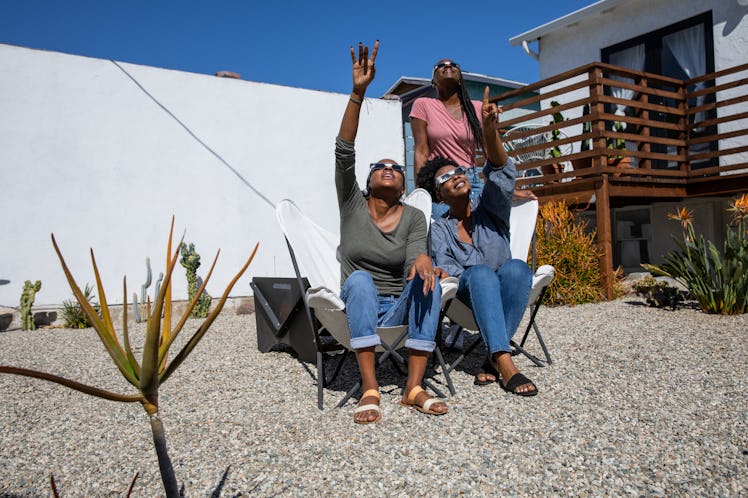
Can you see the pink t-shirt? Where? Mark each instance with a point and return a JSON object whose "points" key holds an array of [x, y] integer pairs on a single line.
{"points": [[447, 136]]}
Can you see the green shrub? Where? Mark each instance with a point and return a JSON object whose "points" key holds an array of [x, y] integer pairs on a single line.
{"points": [[73, 316], [718, 281], [657, 293], [563, 241]]}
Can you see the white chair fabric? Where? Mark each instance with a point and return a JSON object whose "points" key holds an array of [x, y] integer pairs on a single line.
{"points": [[315, 247], [421, 199]]}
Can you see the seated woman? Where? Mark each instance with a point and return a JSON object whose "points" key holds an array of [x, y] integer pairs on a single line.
{"points": [[472, 242], [383, 245]]}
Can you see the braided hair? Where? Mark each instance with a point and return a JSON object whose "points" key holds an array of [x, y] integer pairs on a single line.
{"points": [[469, 109], [426, 174]]}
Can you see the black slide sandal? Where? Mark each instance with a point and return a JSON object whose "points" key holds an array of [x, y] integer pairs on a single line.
{"points": [[517, 380]]}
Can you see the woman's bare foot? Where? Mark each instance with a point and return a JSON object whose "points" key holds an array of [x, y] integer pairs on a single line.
{"points": [[368, 410], [504, 364], [423, 402], [486, 375]]}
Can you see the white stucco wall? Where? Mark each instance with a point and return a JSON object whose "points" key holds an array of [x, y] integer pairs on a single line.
{"points": [[574, 46], [86, 154]]}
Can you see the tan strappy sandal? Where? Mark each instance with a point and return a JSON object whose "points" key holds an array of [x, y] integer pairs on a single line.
{"points": [[372, 407], [426, 407]]}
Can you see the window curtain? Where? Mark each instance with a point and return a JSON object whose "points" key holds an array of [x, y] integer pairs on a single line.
{"points": [[631, 58], [687, 46]]}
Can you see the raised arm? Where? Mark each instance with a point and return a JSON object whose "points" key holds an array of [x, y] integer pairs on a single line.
{"points": [[495, 151], [363, 74]]}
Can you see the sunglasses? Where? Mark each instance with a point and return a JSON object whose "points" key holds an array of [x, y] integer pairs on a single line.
{"points": [[394, 167], [444, 64], [442, 179]]}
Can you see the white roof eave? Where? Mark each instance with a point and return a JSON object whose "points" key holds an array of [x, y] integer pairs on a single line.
{"points": [[601, 6], [468, 76]]}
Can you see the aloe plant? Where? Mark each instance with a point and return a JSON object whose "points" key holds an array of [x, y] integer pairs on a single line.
{"points": [[155, 368], [718, 280]]}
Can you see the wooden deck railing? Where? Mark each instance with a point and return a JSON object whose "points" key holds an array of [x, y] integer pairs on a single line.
{"points": [[682, 138], [675, 132]]}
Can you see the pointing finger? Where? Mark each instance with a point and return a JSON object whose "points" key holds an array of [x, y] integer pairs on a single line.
{"points": [[374, 51], [485, 96]]}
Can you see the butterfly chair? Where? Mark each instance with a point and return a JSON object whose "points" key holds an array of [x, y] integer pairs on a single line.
{"points": [[313, 254], [521, 228]]}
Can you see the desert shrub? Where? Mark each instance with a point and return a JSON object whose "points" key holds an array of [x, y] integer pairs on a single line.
{"points": [[564, 242], [717, 280], [73, 316], [657, 292]]}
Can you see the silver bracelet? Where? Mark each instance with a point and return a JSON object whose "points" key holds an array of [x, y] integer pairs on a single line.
{"points": [[356, 101]]}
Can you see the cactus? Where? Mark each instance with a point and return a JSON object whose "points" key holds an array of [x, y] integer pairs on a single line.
{"points": [[27, 301], [135, 308], [147, 280], [158, 281], [191, 262], [143, 289]]}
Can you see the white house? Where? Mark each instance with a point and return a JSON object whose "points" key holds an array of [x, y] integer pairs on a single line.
{"points": [[675, 38]]}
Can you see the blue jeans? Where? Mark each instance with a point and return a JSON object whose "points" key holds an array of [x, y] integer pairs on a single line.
{"points": [[498, 300], [366, 310], [476, 187]]}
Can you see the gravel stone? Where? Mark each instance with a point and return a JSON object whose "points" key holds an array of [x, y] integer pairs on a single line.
{"points": [[639, 401]]}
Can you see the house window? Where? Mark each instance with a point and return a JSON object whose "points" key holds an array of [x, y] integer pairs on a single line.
{"points": [[683, 50], [633, 235]]}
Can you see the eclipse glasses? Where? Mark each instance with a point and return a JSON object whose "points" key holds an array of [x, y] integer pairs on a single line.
{"points": [[441, 179], [394, 167]]}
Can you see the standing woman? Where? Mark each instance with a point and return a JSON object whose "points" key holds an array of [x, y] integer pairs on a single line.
{"points": [[471, 242], [448, 125], [387, 277]]}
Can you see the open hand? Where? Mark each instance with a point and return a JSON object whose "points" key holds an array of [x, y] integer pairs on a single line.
{"points": [[363, 67]]}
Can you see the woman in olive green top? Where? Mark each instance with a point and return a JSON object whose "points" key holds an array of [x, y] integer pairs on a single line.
{"points": [[387, 277]]}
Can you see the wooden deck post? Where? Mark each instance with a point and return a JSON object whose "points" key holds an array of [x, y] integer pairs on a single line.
{"points": [[604, 239], [597, 108]]}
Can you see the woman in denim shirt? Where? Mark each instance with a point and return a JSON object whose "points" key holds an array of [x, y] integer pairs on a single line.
{"points": [[472, 243]]}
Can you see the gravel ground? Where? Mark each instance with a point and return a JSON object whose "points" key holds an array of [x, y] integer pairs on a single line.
{"points": [[638, 401]]}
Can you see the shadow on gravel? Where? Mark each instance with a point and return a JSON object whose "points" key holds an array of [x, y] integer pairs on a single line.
{"points": [[217, 492]]}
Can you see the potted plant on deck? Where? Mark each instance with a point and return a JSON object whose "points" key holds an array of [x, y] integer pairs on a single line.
{"points": [[555, 168], [584, 162], [618, 144]]}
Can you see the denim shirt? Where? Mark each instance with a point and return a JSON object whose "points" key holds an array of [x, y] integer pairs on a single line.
{"points": [[490, 219]]}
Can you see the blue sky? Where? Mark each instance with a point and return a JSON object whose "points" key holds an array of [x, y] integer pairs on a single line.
{"points": [[292, 43]]}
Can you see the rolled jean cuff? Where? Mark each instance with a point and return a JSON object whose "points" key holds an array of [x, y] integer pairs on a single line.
{"points": [[499, 349], [365, 341], [420, 345]]}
